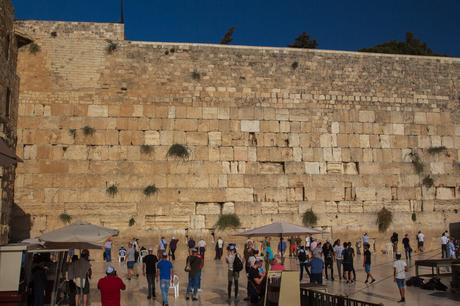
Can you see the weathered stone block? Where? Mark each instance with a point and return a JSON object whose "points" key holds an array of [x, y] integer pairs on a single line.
{"points": [[250, 125]]}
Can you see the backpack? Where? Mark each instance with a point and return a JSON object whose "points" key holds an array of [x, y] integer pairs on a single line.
{"points": [[237, 264]]}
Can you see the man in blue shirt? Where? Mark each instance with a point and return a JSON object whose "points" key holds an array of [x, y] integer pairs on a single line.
{"points": [[282, 246], [317, 267], [165, 276]]}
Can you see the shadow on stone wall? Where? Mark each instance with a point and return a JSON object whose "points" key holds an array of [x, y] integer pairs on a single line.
{"points": [[20, 224]]}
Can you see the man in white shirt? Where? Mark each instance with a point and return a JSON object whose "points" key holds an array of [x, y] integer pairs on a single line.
{"points": [[421, 241], [365, 240], [444, 241], [399, 272], [338, 250], [201, 247], [219, 248]]}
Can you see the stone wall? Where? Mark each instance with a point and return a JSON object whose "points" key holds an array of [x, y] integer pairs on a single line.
{"points": [[9, 83], [272, 132]]}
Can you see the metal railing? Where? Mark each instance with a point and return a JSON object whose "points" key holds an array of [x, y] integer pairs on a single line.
{"points": [[309, 297]]}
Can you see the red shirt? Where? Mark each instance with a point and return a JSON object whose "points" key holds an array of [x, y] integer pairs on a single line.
{"points": [[110, 287]]}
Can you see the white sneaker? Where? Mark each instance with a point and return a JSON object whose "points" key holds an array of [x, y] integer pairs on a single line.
{"points": [[199, 290]]}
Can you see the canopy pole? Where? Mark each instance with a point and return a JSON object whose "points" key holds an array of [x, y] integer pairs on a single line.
{"points": [[56, 278]]}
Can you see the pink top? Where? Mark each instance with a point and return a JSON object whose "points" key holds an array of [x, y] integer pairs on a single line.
{"points": [[277, 267]]}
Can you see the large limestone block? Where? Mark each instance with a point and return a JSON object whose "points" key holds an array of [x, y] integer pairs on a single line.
{"points": [[98, 111], [152, 138], [239, 194], [167, 222], [366, 116], [208, 208], [365, 193], [437, 168], [197, 138], [445, 193], [250, 125], [228, 208], [197, 222]]}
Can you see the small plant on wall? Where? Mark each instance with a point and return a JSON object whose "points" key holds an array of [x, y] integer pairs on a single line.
{"points": [[178, 150], [65, 218], [112, 190], [428, 181], [416, 162], [150, 190], [131, 221], [226, 221], [34, 48], [146, 149], [309, 218], [414, 217], [437, 150], [111, 47], [294, 65], [88, 131], [73, 132], [384, 219], [196, 75]]}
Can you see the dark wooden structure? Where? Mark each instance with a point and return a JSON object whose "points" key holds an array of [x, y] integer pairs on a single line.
{"points": [[434, 264], [312, 297]]}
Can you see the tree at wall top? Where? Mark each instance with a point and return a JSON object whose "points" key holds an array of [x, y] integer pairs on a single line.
{"points": [[228, 37], [411, 46], [304, 41]]}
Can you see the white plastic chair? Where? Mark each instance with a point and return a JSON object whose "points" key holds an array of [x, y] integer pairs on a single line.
{"points": [[389, 248], [175, 286], [121, 258]]}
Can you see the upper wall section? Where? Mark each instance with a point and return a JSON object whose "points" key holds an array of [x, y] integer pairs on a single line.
{"points": [[76, 59], [72, 30]]}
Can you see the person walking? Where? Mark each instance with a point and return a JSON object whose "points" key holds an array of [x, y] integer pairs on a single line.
{"points": [[282, 247], [347, 255], [328, 253], [235, 265], [317, 267], [108, 250], [39, 283], [165, 276], [450, 248], [399, 273], [219, 248], [110, 287], [394, 241], [173, 247], [407, 248], [420, 241], [162, 246], [303, 261], [193, 267], [367, 264], [149, 269], [365, 240], [444, 241], [338, 250], [80, 272], [202, 247], [255, 280], [131, 260]]}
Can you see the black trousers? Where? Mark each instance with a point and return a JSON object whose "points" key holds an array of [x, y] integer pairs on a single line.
{"points": [[329, 264]]}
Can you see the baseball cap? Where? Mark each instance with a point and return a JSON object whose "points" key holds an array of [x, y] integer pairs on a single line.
{"points": [[165, 254], [150, 249], [109, 270]]}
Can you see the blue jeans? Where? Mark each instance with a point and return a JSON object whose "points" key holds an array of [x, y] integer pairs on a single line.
{"points": [[164, 287], [108, 254], [193, 282], [150, 284]]}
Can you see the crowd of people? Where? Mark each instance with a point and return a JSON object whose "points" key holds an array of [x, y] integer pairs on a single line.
{"points": [[318, 259]]}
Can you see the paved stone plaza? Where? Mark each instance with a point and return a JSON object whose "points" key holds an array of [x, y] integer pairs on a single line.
{"points": [[214, 282]]}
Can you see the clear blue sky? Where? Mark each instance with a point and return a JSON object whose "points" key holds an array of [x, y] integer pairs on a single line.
{"points": [[335, 24]]}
